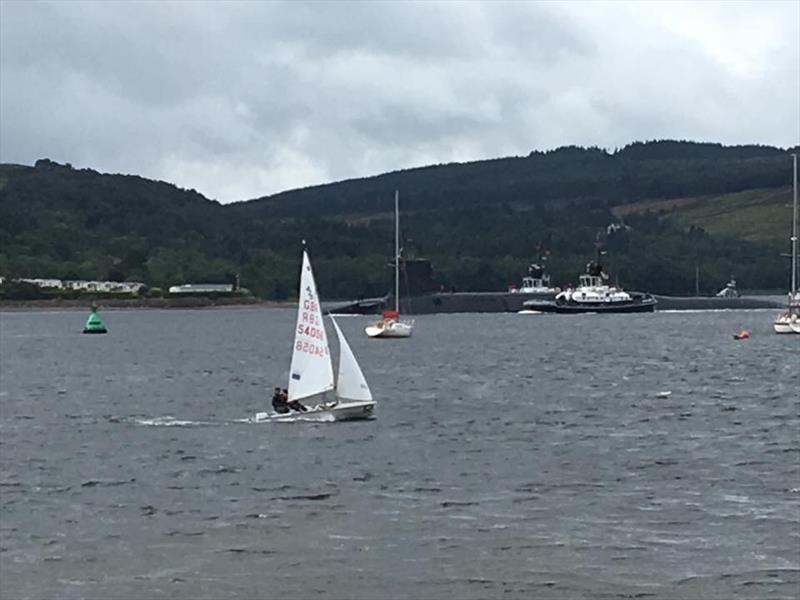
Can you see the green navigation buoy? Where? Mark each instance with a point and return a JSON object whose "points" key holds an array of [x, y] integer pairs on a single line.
{"points": [[94, 324]]}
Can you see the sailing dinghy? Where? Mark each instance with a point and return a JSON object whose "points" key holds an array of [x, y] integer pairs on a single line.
{"points": [[311, 370]]}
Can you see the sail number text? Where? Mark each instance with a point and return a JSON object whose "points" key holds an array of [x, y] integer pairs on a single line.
{"points": [[309, 348], [310, 326], [309, 317], [310, 331]]}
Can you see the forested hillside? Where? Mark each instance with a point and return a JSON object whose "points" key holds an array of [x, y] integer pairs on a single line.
{"points": [[480, 223]]}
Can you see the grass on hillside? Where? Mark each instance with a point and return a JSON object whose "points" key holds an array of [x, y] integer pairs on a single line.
{"points": [[762, 215]]}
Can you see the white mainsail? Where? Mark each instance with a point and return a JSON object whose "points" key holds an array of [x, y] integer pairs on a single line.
{"points": [[311, 370], [352, 385]]}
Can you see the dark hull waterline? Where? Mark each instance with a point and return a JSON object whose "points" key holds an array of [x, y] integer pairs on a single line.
{"points": [[504, 302], [574, 308], [445, 302], [714, 303]]}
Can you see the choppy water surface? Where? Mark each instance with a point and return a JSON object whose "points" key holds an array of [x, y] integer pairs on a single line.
{"points": [[513, 456]]}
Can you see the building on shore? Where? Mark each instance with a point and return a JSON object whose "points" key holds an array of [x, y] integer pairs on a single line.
{"points": [[81, 285], [202, 288]]}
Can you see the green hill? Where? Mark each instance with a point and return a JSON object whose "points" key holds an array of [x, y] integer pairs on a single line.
{"points": [[480, 223], [762, 215]]}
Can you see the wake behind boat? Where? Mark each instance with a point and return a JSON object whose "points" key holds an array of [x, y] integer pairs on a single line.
{"points": [[311, 370]]}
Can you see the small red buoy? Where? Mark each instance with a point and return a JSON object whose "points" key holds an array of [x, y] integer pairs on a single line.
{"points": [[742, 335]]}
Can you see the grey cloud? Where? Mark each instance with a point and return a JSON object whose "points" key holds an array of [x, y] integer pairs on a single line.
{"points": [[536, 31], [398, 125], [415, 30], [242, 99]]}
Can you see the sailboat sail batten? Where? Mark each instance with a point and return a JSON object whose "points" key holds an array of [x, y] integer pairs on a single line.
{"points": [[351, 383], [311, 370]]}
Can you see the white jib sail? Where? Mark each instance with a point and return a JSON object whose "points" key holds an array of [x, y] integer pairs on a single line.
{"points": [[311, 371], [351, 385]]}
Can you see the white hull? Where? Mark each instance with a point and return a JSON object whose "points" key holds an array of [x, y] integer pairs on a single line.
{"points": [[788, 322], [390, 329], [342, 411]]}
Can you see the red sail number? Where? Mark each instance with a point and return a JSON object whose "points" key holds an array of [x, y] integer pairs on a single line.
{"points": [[309, 348]]}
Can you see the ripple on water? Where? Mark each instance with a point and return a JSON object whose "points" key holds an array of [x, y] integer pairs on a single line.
{"points": [[598, 457]]}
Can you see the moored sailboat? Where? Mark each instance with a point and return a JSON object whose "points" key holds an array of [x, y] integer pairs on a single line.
{"points": [[789, 321], [311, 370], [390, 325]]}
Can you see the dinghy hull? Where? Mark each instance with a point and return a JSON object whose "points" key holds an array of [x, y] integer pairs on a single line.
{"points": [[341, 411], [394, 329]]}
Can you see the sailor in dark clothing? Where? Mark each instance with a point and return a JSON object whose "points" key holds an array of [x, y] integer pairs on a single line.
{"points": [[279, 403], [294, 404]]}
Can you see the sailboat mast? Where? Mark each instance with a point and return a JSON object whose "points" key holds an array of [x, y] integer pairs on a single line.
{"points": [[794, 225], [397, 250]]}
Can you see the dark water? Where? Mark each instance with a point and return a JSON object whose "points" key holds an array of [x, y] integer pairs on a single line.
{"points": [[512, 457]]}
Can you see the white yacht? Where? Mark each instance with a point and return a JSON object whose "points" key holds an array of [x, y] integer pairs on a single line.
{"points": [[390, 325], [789, 321]]}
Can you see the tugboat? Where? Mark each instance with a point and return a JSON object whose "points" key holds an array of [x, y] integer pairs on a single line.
{"points": [[536, 286], [94, 324], [537, 283], [594, 295], [729, 291]]}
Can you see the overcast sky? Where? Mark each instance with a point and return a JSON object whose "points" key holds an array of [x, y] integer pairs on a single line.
{"points": [[244, 99]]}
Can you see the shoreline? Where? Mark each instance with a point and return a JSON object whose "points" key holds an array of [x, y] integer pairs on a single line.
{"points": [[140, 303]]}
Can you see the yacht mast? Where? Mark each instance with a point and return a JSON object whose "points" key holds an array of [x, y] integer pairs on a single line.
{"points": [[397, 251], [794, 225]]}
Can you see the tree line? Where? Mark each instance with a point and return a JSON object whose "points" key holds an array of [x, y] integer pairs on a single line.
{"points": [[480, 224]]}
